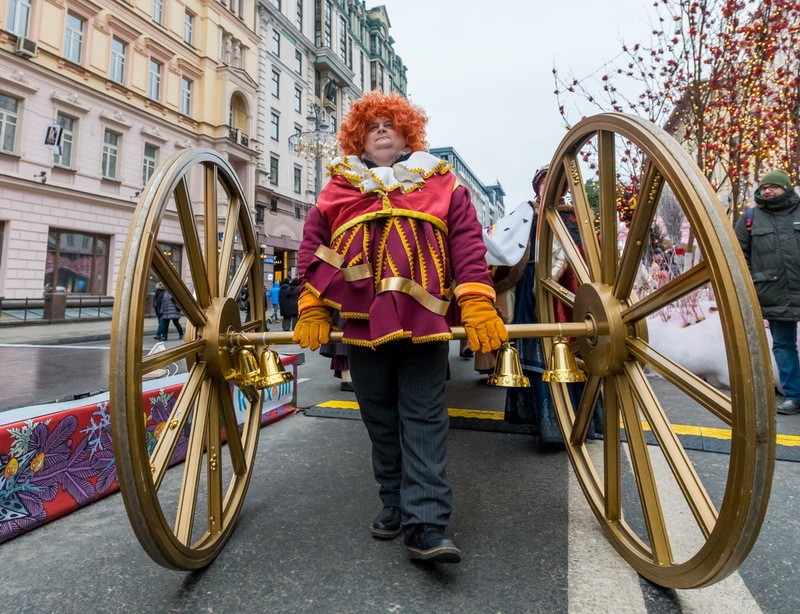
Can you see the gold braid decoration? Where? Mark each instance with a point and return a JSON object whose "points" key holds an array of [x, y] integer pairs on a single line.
{"points": [[437, 262], [406, 247], [381, 252], [423, 266], [392, 266]]}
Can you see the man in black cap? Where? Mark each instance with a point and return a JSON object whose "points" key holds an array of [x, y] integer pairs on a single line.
{"points": [[769, 234]]}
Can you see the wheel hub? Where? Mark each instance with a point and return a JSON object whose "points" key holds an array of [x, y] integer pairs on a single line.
{"points": [[223, 317], [603, 354]]}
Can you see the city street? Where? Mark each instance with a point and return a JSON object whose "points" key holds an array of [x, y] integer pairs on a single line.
{"points": [[530, 542]]}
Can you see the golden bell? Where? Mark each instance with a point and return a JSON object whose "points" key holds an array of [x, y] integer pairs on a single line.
{"points": [[563, 367], [272, 372], [247, 370], [507, 369]]}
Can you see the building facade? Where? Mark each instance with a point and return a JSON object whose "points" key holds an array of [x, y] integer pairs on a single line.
{"points": [[94, 94], [488, 199]]}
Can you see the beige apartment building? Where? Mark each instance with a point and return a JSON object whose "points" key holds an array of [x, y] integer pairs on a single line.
{"points": [[127, 83]]}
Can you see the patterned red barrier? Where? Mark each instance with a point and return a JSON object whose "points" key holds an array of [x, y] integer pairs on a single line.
{"points": [[54, 463]]}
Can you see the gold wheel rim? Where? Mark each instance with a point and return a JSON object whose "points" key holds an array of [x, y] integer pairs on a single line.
{"points": [[184, 525], [616, 362]]}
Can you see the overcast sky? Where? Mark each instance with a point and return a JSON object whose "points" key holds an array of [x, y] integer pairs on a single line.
{"points": [[483, 73]]}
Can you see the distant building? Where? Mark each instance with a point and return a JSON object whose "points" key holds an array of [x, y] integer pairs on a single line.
{"points": [[488, 199]]}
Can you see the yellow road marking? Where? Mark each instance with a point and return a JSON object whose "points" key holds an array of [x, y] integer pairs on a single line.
{"points": [[678, 429]]}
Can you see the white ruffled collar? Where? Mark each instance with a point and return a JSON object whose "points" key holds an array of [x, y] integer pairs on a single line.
{"points": [[408, 175]]}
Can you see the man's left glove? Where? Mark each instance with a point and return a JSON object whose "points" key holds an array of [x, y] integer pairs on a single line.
{"points": [[313, 327], [485, 330]]}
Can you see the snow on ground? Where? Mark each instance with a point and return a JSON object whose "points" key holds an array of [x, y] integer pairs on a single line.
{"points": [[698, 348]]}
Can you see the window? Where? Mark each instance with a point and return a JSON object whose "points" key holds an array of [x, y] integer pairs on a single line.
{"points": [[186, 96], [67, 141], [274, 126], [188, 27], [73, 38], [116, 70], [276, 84], [276, 4], [19, 17], [298, 179], [328, 17], [343, 39], [298, 211], [298, 100], [149, 162], [76, 262], [298, 62], [158, 11], [110, 160], [9, 116], [276, 42], [273, 205], [298, 17], [273, 170], [154, 80]]}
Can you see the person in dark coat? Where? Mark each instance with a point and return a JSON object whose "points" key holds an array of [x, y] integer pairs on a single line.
{"points": [[283, 303], [294, 298], [171, 312], [768, 234], [158, 300]]}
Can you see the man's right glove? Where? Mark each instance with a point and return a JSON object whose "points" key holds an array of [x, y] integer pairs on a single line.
{"points": [[313, 327], [485, 330]]}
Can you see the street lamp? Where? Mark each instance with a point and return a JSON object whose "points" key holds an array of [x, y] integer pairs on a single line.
{"points": [[315, 144]]}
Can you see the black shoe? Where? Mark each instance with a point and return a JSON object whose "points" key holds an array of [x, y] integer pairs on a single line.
{"points": [[387, 524], [180, 336], [157, 338], [788, 407], [346, 387], [427, 542]]}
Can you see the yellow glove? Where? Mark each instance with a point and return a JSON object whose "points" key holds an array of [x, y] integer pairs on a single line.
{"points": [[314, 324], [485, 329]]}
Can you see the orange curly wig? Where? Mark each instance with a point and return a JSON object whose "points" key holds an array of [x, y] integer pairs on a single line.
{"points": [[408, 119]]}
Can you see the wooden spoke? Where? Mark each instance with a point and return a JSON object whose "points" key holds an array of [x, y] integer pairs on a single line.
{"points": [[584, 215], [159, 360], [640, 226], [677, 288], [212, 228], [698, 389], [180, 292], [237, 283], [170, 435], [192, 248], [226, 249], [612, 454], [573, 254], [682, 468], [559, 292], [190, 486], [585, 411], [214, 462], [607, 176], [643, 472], [232, 430]]}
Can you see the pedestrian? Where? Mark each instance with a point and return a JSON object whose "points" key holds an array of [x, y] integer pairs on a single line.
{"points": [[243, 302], [274, 293], [392, 238], [171, 312], [294, 299], [283, 300], [158, 301], [768, 234]]}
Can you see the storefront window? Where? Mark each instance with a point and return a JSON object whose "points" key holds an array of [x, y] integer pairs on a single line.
{"points": [[76, 263]]}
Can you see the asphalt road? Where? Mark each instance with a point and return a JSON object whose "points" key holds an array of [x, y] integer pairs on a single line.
{"points": [[302, 545]]}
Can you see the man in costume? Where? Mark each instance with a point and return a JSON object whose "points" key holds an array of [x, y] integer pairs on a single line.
{"points": [[392, 243]]}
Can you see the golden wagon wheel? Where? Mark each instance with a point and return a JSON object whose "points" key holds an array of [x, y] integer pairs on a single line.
{"points": [[184, 516], [651, 500]]}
